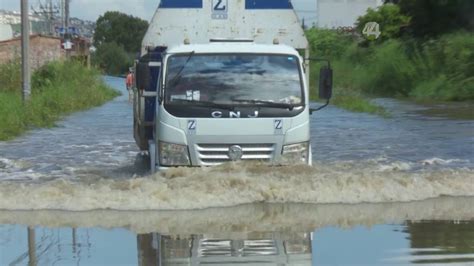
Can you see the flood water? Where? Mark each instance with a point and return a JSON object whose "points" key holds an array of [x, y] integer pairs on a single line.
{"points": [[394, 191]]}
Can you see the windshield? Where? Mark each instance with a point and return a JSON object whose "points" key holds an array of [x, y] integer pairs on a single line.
{"points": [[246, 79]]}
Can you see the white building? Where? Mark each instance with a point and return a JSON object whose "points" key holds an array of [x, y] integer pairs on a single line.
{"points": [[6, 32], [342, 13], [14, 17]]}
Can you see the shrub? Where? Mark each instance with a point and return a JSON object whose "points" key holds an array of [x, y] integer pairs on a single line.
{"points": [[424, 69], [327, 43], [431, 18], [388, 71], [10, 77], [43, 77], [390, 19], [112, 58], [58, 88], [447, 68]]}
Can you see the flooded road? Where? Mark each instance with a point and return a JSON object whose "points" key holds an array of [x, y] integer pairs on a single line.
{"points": [[396, 190]]}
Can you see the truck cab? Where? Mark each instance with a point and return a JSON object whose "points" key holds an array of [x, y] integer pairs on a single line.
{"points": [[235, 90]]}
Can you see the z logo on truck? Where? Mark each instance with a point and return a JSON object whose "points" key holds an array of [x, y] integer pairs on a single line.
{"points": [[219, 9], [278, 125], [191, 124]]}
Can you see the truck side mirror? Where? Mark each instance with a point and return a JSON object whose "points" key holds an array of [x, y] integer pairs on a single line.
{"points": [[325, 83]]}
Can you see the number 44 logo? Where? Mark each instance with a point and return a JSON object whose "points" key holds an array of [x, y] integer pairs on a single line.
{"points": [[371, 30]]}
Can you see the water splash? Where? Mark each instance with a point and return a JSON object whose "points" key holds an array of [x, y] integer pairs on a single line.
{"points": [[239, 220], [235, 184]]}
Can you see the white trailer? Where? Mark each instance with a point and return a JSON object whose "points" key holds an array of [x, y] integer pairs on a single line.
{"points": [[223, 81]]}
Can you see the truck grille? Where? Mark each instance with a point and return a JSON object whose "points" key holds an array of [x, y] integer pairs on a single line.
{"points": [[237, 248], [214, 154]]}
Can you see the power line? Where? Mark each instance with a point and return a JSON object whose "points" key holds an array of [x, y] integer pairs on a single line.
{"points": [[49, 12]]}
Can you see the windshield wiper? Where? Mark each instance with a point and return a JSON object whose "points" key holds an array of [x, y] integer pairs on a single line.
{"points": [[265, 103], [202, 103], [177, 77]]}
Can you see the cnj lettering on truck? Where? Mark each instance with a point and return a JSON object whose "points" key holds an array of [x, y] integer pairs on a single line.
{"points": [[238, 114]]}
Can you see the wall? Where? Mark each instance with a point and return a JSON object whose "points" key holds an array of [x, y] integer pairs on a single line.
{"points": [[43, 50]]}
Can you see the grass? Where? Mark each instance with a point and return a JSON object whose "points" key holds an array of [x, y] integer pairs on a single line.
{"points": [[436, 70], [355, 102], [331, 45], [58, 89], [344, 95]]}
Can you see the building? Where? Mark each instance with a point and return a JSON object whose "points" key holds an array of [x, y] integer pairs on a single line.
{"points": [[44, 49], [40, 25], [332, 14], [6, 32], [14, 17]]}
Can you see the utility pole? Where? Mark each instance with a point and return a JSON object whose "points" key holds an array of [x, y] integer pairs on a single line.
{"points": [[67, 35], [63, 13], [32, 247], [25, 51], [66, 11], [51, 18]]}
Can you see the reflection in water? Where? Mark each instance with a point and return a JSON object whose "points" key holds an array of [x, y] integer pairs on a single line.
{"points": [[261, 248], [31, 247], [430, 242], [149, 249], [240, 220], [261, 234], [441, 241]]}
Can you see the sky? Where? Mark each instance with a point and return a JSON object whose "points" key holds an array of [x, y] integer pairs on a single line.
{"points": [[92, 9]]}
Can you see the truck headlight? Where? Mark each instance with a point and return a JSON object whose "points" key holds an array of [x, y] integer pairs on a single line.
{"points": [[173, 154], [295, 153]]}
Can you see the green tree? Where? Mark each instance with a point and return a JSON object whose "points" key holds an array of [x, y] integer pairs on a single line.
{"points": [[122, 29], [112, 58], [432, 18], [327, 43], [390, 19]]}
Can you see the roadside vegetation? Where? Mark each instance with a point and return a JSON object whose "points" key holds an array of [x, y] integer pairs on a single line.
{"points": [[417, 56], [118, 38], [58, 89]]}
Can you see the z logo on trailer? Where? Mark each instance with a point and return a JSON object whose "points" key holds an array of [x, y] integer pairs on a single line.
{"points": [[219, 6], [220, 9]]}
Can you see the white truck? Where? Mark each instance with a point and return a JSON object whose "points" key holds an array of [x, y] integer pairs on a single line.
{"points": [[223, 80]]}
